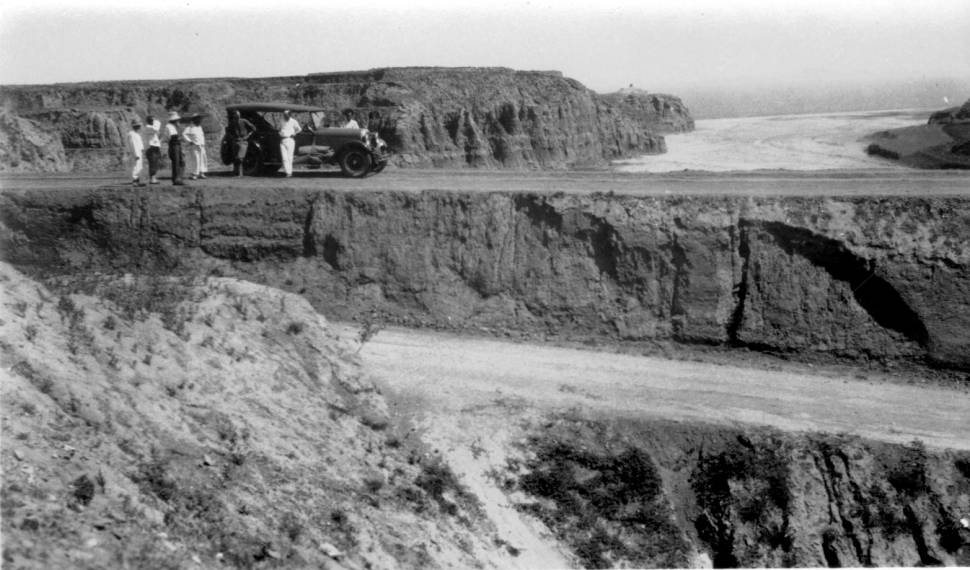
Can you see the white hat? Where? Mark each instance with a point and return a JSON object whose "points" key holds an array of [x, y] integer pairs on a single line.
{"points": [[173, 116]]}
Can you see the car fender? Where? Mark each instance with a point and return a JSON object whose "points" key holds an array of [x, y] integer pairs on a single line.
{"points": [[353, 146]]}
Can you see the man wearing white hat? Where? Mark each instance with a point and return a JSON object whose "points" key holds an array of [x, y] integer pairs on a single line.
{"points": [[136, 146], [175, 154]]}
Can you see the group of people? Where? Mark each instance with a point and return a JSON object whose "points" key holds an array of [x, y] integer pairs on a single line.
{"points": [[147, 144]]}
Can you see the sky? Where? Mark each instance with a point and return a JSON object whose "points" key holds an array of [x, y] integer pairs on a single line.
{"points": [[605, 44]]}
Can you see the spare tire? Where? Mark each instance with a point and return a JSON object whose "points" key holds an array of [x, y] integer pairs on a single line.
{"points": [[225, 151]]}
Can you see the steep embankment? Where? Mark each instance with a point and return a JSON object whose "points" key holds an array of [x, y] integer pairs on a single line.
{"points": [[863, 278], [633, 493], [181, 423], [944, 142], [479, 117]]}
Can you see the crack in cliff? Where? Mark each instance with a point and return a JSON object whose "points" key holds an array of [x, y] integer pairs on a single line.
{"points": [[739, 243], [859, 499], [916, 530], [681, 281], [309, 246], [837, 504]]}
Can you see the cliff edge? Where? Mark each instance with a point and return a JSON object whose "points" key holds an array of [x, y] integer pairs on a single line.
{"points": [[431, 117]]}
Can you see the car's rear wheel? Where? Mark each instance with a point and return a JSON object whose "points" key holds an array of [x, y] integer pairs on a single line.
{"points": [[254, 165], [355, 163], [380, 166]]}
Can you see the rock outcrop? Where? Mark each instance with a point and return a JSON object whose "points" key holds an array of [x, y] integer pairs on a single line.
{"points": [[431, 117], [862, 278], [27, 146], [944, 142]]}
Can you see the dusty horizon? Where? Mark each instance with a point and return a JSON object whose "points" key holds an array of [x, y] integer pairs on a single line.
{"points": [[693, 46]]}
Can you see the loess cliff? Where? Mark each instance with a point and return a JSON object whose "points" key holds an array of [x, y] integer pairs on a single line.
{"points": [[869, 279], [453, 117]]}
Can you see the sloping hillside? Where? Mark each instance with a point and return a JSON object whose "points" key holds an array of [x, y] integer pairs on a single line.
{"points": [[186, 424]]}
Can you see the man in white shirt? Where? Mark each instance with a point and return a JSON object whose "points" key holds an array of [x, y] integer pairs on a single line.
{"points": [[350, 122], [289, 130], [154, 151], [195, 136], [136, 146]]}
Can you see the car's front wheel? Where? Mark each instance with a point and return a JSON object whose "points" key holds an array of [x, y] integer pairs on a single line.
{"points": [[355, 163]]}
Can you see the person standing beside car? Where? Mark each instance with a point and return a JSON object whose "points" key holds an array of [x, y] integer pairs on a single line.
{"points": [[349, 121], [175, 154], [289, 130], [195, 136], [136, 146], [154, 151], [239, 131]]}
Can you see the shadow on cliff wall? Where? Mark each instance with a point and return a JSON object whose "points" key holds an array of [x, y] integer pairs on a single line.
{"points": [[873, 293]]}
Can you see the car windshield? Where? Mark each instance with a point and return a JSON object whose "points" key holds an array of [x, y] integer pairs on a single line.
{"points": [[273, 120], [318, 119]]}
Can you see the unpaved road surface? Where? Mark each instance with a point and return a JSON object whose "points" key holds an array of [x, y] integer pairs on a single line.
{"points": [[456, 375], [471, 399], [919, 183]]}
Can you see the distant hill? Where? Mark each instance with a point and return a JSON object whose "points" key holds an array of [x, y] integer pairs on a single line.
{"points": [[750, 101], [943, 142]]}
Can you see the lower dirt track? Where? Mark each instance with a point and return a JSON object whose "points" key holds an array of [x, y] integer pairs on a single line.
{"points": [[759, 183], [455, 374]]}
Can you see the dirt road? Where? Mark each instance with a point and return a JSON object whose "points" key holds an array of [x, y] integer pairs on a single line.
{"points": [[758, 183], [457, 374], [469, 398]]}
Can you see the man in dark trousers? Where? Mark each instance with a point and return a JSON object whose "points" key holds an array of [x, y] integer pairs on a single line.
{"points": [[153, 128], [239, 131], [175, 154]]}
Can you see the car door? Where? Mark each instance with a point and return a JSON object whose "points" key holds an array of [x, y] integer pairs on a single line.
{"points": [[304, 138]]}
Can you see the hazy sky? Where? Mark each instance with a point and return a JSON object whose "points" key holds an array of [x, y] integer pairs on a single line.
{"points": [[605, 44]]}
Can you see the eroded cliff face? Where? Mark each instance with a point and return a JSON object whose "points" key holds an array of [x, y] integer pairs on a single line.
{"points": [[456, 117], [627, 493], [27, 146], [863, 278]]}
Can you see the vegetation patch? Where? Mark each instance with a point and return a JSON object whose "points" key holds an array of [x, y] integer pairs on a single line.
{"points": [[602, 495], [744, 484]]}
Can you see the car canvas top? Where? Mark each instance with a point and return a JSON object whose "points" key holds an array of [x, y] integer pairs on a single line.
{"points": [[277, 107]]}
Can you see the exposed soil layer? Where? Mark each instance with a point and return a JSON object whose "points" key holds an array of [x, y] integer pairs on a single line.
{"points": [[864, 278]]}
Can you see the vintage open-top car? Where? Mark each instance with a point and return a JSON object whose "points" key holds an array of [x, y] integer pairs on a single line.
{"points": [[357, 152]]}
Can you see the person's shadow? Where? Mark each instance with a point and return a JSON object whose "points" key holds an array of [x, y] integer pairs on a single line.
{"points": [[279, 175]]}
